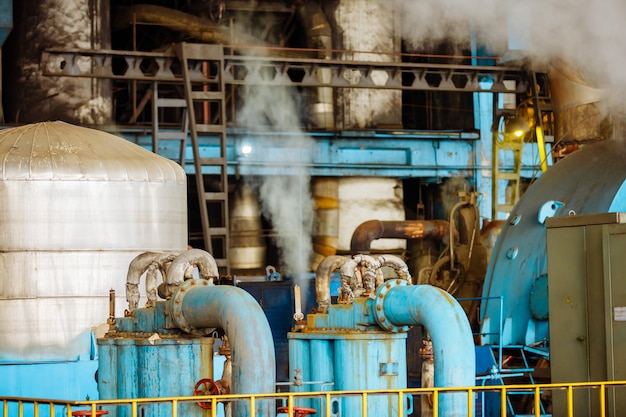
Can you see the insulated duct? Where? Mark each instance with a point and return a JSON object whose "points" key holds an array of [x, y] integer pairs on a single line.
{"points": [[319, 37], [204, 30], [69, 24], [576, 103]]}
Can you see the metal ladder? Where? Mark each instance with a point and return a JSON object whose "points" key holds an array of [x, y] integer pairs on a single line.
{"points": [[514, 146], [160, 106], [205, 95]]}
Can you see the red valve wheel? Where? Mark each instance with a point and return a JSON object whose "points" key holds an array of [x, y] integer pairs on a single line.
{"points": [[206, 386], [298, 411], [88, 413]]}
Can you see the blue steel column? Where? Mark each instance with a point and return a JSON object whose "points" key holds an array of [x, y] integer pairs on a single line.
{"points": [[198, 304], [483, 121], [398, 304]]}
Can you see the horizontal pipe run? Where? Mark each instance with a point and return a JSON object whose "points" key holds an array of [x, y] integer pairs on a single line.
{"points": [[371, 230]]}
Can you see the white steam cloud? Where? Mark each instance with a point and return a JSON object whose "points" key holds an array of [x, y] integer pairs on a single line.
{"points": [[591, 36], [285, 197]]}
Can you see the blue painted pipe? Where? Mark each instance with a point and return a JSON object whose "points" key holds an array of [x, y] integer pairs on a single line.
{"points": [[398, 305], [198, 304]]}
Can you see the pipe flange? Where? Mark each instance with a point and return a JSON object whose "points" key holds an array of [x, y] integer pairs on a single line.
{"points": [[379, 311], [177, 307]]}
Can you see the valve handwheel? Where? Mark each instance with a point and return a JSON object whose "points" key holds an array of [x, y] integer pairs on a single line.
{"points": [[298, 411], [206, 386], [89, 413]]}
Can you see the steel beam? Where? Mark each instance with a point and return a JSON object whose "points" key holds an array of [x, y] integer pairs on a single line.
{"points": [[288, 72]]}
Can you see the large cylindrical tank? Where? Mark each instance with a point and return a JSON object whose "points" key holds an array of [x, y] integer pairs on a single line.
{"points": [[247, 244], [76, 206], [590, 180]]}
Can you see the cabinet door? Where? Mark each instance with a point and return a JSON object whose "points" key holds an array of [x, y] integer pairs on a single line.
{"points": [[615, 314], [567, 295]]}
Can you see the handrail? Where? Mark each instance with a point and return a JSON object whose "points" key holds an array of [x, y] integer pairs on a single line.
{"points": [[21, 407]]}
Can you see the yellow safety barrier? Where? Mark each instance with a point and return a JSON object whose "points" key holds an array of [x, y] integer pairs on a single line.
{"points": [[601, 394]]}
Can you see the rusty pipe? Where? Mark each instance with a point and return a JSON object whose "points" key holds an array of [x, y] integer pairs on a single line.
{"points": [[371, 268], [398, 265], [150, 262], [371, 230], [179, 269], [322, 280]]}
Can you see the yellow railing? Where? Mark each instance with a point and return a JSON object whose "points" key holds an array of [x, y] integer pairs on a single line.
{"points": [[595, 398]]}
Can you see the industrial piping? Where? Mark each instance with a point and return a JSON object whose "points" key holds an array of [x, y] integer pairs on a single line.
{"points": [[398, 304], [149, 263], [371, 230], [181, 268], [198, 304]]}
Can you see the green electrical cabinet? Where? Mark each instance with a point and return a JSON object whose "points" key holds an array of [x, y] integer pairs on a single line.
{"points": [[587, 303]]}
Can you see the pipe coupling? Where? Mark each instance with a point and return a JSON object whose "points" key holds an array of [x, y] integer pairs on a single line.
{"points": [[176, 306], [379, 309]]}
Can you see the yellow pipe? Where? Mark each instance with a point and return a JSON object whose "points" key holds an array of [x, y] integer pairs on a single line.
{"points": [[541, 144], [329, 396], [537, 402], [570, 401], [602, 399], [364, 405]]}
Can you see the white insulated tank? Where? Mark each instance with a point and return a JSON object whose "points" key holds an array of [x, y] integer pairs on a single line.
{"points": [[76, 206]]}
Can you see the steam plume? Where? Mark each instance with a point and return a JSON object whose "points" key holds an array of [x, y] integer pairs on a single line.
{"points": [[285, 197], [590, 36]]}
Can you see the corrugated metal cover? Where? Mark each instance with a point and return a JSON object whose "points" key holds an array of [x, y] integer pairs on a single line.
{"points": [[61, 151]]}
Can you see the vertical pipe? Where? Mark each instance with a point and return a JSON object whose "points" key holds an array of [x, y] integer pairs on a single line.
{"points": [[449, 328], [197, 304], [300, 360]]}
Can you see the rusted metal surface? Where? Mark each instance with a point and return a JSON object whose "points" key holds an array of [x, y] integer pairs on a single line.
{"points": [[409, 229]]}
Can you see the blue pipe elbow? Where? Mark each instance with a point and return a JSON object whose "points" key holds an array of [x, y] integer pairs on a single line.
{"points": [[398, 305], [198, 305]]}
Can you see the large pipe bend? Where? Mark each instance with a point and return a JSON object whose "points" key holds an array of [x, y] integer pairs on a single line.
{"points": [[199, 304], [397, 264], [348, 281], [180, 267], [322, 280], [148, 262], [399, 304], [371, 230]]}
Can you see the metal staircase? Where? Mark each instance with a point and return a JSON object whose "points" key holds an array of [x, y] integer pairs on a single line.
{"points": [[205, 96], [518, 366]]}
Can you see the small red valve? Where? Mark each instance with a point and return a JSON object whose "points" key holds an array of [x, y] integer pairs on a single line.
{"points": [[206, 386], [298, 411]]}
